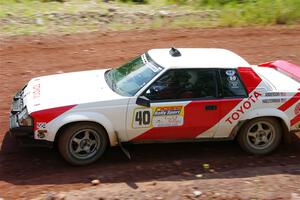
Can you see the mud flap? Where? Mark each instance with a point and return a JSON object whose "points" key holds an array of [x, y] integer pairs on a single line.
{"points": [[125, 151]]}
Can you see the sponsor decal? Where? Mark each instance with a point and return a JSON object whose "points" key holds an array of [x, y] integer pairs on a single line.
{"points": [[36, 90], [274, 94], [232, 78], [166, 116], [230, 72], [153, 67], [234, 84], [246, 105], [144, 58], [41, 125], [271, 100], [172, 110]]}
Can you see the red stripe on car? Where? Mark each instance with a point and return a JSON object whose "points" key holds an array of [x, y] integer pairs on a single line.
{"points": [[290, 102], [295, 120], [196, 121], [48, 115]]}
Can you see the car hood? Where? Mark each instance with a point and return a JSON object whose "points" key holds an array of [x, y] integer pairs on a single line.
{"points": [[67, 89]]}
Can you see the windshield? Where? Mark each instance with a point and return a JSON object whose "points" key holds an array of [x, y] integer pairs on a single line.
{"points": [[128, 79]]}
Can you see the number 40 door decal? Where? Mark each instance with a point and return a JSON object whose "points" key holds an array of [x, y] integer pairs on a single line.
{"points": [[158, 117], [142, 117]]}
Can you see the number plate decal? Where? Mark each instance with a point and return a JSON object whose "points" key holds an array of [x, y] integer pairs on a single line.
{"points": [[158, 117], [142, 118]]}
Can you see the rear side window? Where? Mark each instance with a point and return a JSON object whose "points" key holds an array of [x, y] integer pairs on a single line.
{"points": [[231, 84]]}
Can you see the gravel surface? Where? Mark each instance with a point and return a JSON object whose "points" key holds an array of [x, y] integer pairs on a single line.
{"points": [[168, 171]]}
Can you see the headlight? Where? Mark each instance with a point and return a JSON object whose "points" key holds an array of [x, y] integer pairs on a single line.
{"points": [[24, 118]]}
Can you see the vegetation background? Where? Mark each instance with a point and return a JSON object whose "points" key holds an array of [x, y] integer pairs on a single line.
{"points": [[44, 16]]}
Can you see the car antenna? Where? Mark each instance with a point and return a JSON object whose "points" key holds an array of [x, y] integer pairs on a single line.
{"points": [[174, 52]]}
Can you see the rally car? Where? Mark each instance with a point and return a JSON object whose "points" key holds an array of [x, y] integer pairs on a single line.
{"points": [[164, 95]]}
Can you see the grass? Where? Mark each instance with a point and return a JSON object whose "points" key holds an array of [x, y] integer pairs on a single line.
{"points": [[28, 8], [250, 12], [261, 12], [230, 13]]}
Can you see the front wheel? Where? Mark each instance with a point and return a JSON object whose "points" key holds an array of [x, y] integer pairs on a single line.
{"points": [[260, 135], [82, 143]]}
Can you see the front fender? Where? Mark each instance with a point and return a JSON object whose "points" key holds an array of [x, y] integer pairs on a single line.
{"points": [[101, 119], [268, 112]]}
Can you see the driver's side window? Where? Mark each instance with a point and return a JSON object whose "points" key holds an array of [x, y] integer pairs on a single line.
{"points": [[181, 84]]}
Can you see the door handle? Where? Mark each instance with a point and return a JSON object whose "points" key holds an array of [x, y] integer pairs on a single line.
{"points": [[210, 107]]}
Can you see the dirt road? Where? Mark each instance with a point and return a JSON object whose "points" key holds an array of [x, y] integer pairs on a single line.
{"points": [[26, 173]]}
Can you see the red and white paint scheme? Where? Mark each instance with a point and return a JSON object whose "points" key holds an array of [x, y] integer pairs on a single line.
{"points": [[185, 94]]}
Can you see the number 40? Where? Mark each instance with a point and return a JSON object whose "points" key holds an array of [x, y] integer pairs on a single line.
{"points": [[143, 117]]}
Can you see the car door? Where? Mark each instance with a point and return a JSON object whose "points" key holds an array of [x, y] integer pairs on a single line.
{"points": [[232, 93], [184, 105]]}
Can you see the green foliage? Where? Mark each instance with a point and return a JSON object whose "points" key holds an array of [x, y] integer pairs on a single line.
{"points": [[32, 16], [261, 12], [205, 2], [135, 1], [249, 12]]}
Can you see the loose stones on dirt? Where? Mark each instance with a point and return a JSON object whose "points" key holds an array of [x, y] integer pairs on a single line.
{"points": [[197, 193], [95, 182]]}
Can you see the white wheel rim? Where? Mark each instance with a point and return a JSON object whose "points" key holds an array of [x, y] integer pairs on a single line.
{"points": [[84, 144], [261, 135]]}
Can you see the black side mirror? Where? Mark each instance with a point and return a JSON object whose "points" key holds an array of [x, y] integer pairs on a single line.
{"points": [[143, 101]]}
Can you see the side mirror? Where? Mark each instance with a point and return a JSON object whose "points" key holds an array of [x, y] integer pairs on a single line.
{"points": [[143, 101]]}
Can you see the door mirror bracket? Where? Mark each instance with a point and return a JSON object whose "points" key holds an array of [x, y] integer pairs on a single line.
{"points": [[143, 101]]}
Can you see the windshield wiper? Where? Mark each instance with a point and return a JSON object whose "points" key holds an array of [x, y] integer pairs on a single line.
{"points": [[112, 79], [114, 86], [109, 80]]}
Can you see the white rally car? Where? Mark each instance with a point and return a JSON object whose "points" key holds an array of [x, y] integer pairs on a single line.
{"points": [[186, 94]]}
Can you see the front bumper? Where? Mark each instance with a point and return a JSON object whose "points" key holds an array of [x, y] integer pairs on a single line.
{"points": [[24, 134], [16, 107], [19, 131]]}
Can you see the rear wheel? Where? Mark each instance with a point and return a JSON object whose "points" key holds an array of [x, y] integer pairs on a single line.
{"points": [[260, 135], [82, 143]]}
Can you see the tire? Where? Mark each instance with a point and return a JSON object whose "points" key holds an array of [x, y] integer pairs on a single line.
{"points": [[260, 135], [82, 143]]}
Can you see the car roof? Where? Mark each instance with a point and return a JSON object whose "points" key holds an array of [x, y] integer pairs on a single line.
{"points": [[198, 58]]}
